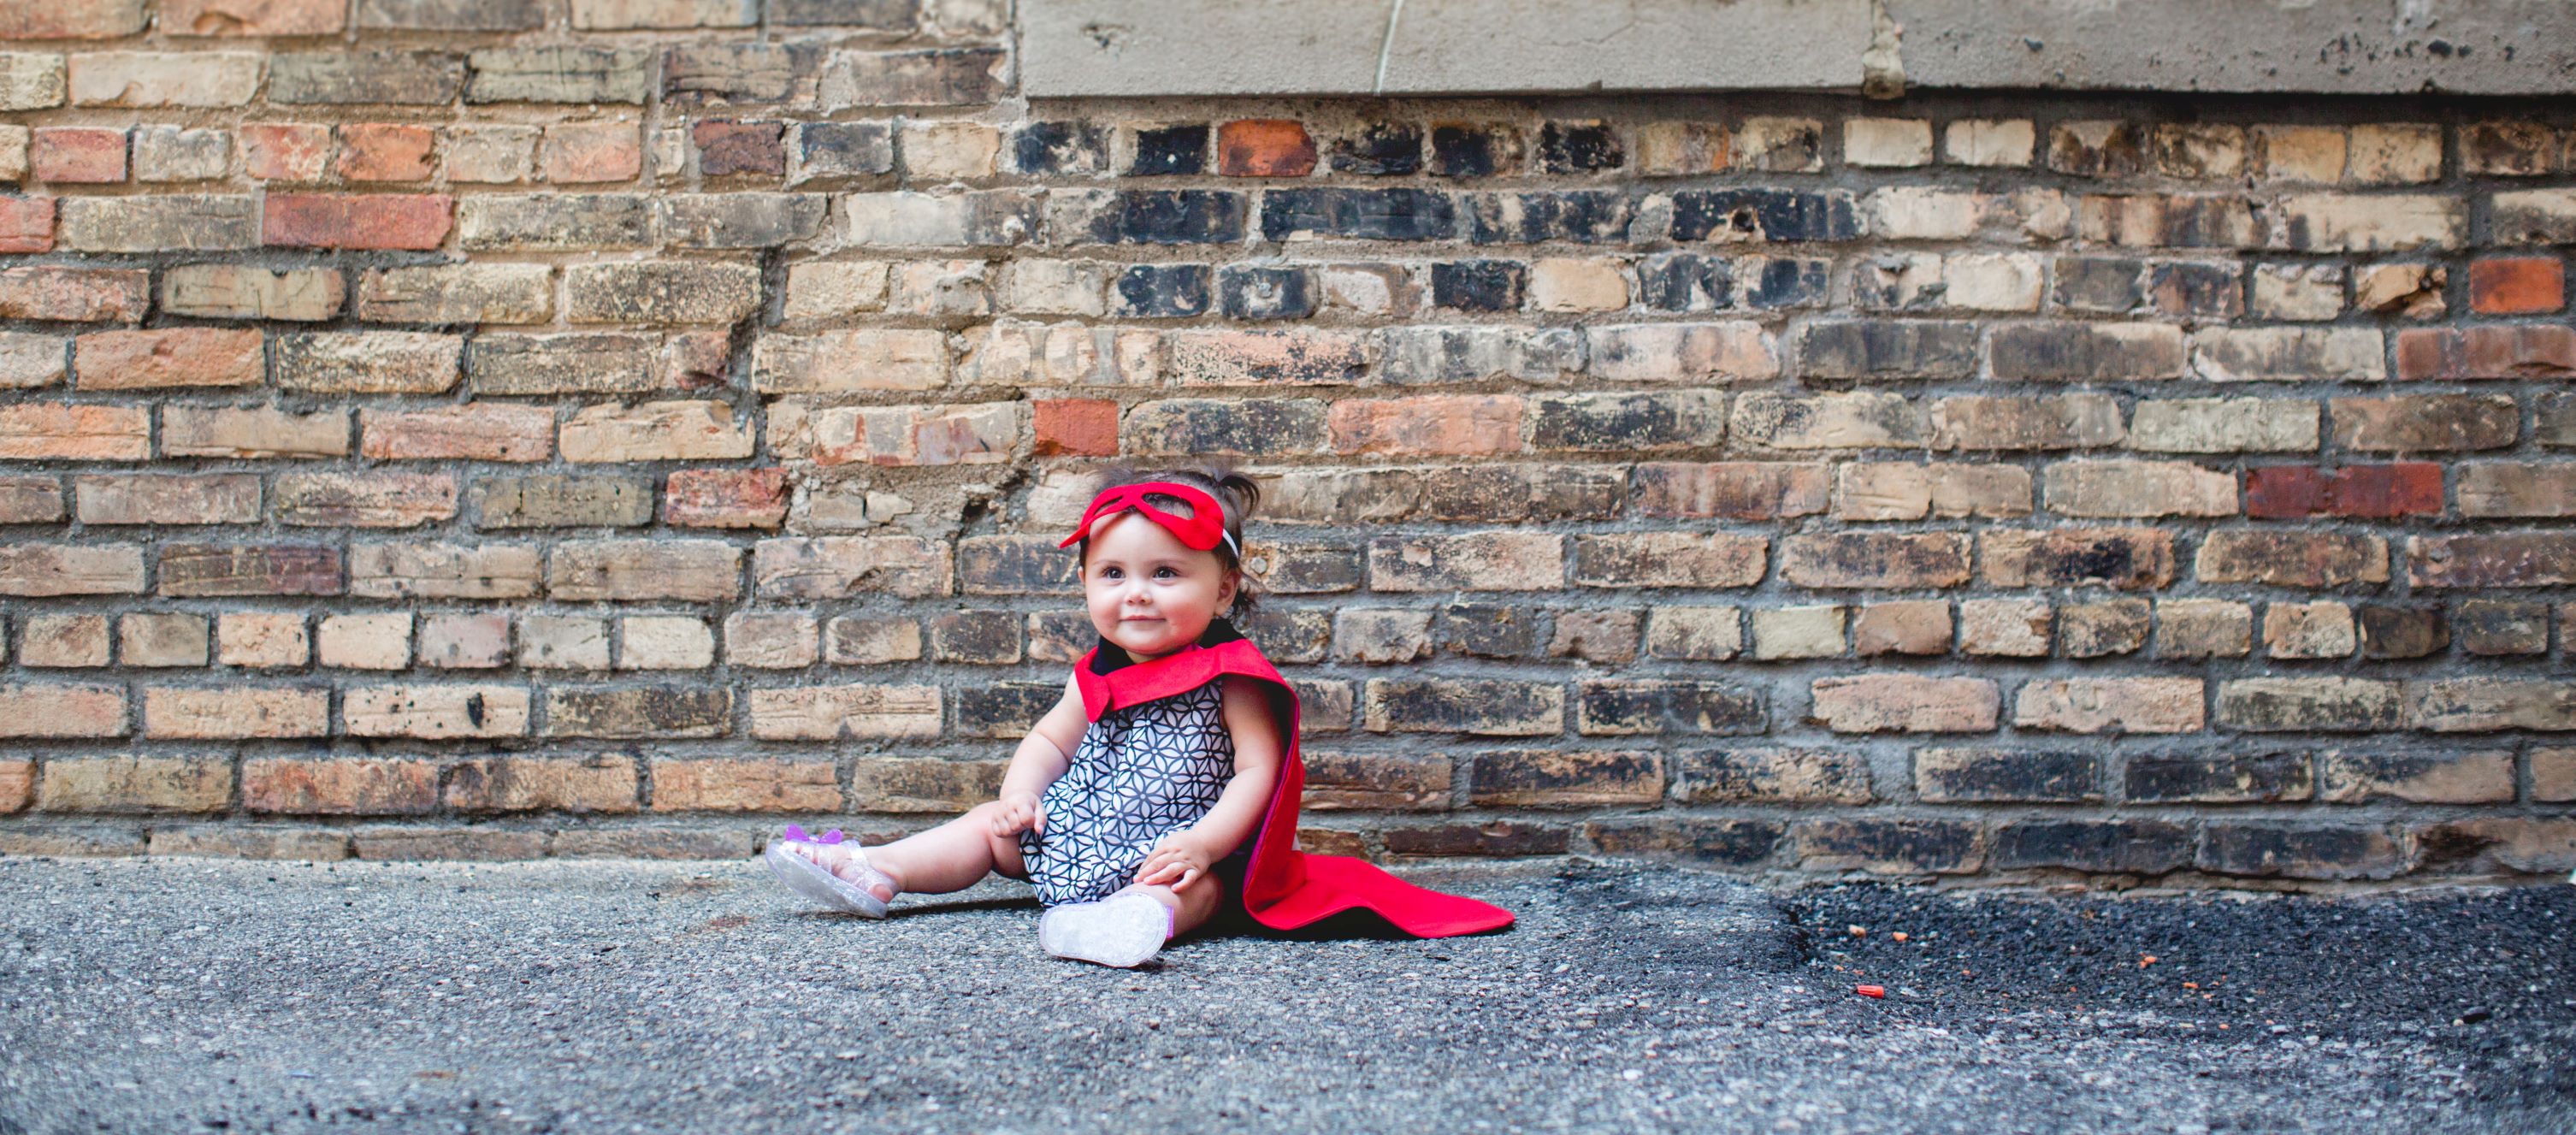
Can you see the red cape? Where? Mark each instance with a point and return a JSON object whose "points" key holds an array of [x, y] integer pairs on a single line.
{"points": [[1285, 888]]}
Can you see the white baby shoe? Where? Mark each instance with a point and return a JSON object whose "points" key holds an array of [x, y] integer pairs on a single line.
{"points": [[813, 881], [1124, 930]]}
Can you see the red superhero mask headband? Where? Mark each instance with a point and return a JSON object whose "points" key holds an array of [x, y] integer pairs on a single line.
{"points": [[1202, 529]]}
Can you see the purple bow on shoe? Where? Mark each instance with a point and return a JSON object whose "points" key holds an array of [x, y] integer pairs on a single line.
{"points": [[797, 835]]}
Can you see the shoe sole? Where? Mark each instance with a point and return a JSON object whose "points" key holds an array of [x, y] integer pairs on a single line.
{"points": [[1116, 939], [810, 880]]}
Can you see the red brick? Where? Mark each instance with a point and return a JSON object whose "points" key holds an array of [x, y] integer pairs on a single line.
{"points": [[74, 295], [591, 152], [17, 785], [740, 147], [90, 155], [339, 786], [1264, 147], [2517, 285], [80, 19], [381, 221], [26, 224], [475, 431], [1464, 424], [1076, 427], [725, 498], [171, 357], [2282, 492], [62, 711], [285, 151], [744, 786], [2547, 351], [385, 151]]}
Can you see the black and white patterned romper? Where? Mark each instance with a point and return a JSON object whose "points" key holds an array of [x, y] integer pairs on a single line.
{"points": [[1141, 773]]}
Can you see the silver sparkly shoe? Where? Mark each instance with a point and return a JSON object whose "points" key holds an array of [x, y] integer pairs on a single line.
{"points": [[1124, 930], [811, 880]]}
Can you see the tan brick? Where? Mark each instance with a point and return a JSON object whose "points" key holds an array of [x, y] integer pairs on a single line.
{"points": [[38, 570], [665, 642], [365, 642], [2004, 628], [161, 638], [363, 500], [1872, 490], [368, 362], [2064, 421], [2291, 559], [603, 783], [18, 785], [2203, 628], [1443, 425], [1669, 559], [260, 431], [435, 712], [1726, 351], [895, 435], [850, 712], [864, 641], [167, 498], [339, 786], [237, 291], [2139, 489], [2309, 630], [40, 431], [1905, 703], [770, 640], [744, 786], [1784, 633], [29, 360], [2109, 705], [1855, 420], [2553, 775], [261, 639], [63, 641], [833, 567], [478, 431], [898, 784], [135, 784], [656, 431], [236, 712], [1338, 781], [696, 571], [1909, 626], [1694, 633], [2347, 777], [227, 841], [846, 361], [1480, 561], [2224, 425], [442, 571]]}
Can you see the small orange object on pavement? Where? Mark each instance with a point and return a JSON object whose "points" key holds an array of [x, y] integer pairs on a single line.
{"points": [[1872, 991]]}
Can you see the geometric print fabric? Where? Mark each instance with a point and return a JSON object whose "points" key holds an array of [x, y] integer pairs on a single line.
{"points": [[1140, 773]]}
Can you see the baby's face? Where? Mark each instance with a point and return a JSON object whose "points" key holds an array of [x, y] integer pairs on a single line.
{"points": [[1147, 592]]}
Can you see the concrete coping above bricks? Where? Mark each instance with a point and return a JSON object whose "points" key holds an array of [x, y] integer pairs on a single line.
{"points": [[1072, 48]]}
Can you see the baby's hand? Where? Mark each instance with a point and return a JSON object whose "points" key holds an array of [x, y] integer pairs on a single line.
{"points": [[1019, 813], [1179, 860]]}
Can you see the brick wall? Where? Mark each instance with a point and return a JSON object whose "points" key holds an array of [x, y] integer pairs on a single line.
{"points": [[518, 427]]}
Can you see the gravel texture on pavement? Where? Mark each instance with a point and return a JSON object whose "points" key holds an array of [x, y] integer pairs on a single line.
{"points": [[201, 995]]}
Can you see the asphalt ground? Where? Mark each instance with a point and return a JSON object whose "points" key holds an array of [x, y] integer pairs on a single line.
{"points": [[186, 995]]}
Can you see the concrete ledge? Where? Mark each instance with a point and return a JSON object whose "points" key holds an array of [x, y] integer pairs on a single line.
{"points": [[1420, 47]]}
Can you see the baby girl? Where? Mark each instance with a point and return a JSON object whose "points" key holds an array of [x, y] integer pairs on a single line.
{"points": [[1163, 786]]}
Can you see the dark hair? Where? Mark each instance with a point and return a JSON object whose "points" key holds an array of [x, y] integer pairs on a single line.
{"points": [[1235, 493]]}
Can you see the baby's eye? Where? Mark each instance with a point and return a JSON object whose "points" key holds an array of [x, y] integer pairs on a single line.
{"points": [[1111, 573], [1166, 573]]}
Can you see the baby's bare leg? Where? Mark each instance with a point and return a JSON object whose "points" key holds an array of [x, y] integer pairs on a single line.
{"points": [[951, 857], [1191, 906]]}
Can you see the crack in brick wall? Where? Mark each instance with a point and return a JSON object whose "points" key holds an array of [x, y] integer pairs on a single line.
{"points": [[498, 428]]}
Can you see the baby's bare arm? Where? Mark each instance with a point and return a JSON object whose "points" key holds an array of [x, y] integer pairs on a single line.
{"points": [[1258, 749], [1043, 756]]}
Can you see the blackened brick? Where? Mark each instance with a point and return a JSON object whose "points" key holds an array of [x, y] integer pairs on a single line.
{"points": [[1681, 419], [1888, 348], [1685, 281], [1254, 292], [1013, 565], [1169, 216], [1498, 838], [1487, 630], [639, 713], [1725, 843], [1991, 776], [1579, 147], [1451, 705], [842, 150], [1059, 148], [1162, 150], [2127, 847], [1479, 285], [251, 569], [1634, 707], [1293, 637], [1775, 215], [1482, 150], [2301, 851], [1164, 291], [2100, 283], [2403, 632], [1265, 426], [2502, 626], [2224, 778], [1793, 281], [2196, 290], [987, 638], [879, 15], [1003, 709], [1943, 847], [1583, 217], [1380, 149], [1358, 214]]}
